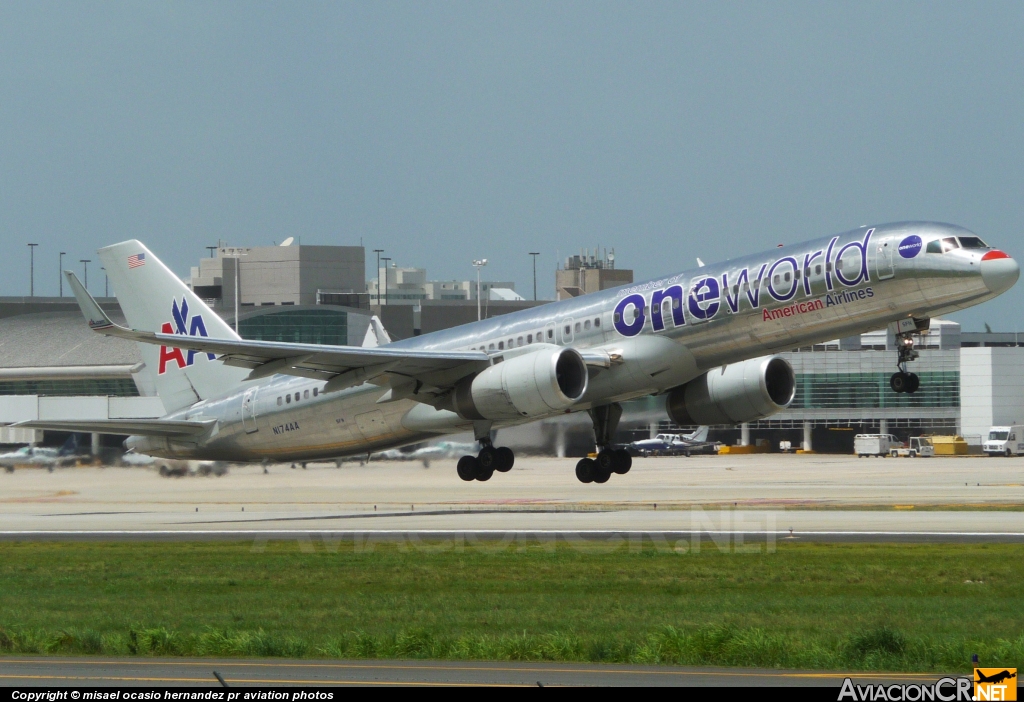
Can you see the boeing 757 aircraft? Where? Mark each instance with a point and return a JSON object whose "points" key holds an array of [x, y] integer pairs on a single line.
{"points": [[706, 337]]}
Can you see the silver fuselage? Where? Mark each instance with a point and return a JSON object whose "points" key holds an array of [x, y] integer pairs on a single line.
{"points": [[755, 305]]}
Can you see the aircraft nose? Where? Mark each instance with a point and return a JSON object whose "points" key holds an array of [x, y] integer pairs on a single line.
{"points": [[999, 271]]}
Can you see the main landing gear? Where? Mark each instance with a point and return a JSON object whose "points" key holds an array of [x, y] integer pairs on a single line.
{"points": [[482, 466], [600, 469], [902, 381], [609, 459]]}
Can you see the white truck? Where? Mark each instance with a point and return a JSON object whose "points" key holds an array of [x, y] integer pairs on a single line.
{"points": [[1005, 441], [874, 444], [920, 446]]}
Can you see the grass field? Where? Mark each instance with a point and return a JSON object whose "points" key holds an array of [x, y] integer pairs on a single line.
{"points": [[892, 607]]}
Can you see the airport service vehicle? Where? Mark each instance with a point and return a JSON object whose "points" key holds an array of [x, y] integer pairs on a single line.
{"points": [[874, 444], [920, 446], [672, 444], [705, 337], [1005, 441]]}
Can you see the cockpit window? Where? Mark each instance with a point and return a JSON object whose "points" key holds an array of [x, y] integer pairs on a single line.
{"points": [[934, 246], [949, 243], [973, 242]]}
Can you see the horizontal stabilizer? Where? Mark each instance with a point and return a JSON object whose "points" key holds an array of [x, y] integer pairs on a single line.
{"points": [[131, 427]]}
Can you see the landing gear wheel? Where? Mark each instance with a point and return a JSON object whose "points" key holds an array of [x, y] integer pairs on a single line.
{"points": [[484, 474], [606, 461], [914, 382], [467, 468], [623, 461], [899, 382], [585, 470], [601, 476], [505, 459], [487, 458]]}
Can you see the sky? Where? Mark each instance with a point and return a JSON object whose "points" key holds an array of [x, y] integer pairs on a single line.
{"points": [[444, 132]]}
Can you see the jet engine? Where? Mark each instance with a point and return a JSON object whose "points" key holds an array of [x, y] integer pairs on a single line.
{"points": [[736, 393], [531, 385]]}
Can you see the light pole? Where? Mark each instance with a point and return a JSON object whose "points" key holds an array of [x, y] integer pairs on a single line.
{"points": [[60, 273], [378, 252], [32, 270], [85, 265], [211, 249], [385, 259], [237, 256], [535, 254], [480, 263]]}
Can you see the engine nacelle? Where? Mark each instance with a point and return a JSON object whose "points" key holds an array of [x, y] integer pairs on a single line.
{"points": [[531, 385], [733, 394]]}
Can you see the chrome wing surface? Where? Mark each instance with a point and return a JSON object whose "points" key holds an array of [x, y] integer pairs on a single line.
{"points": [[341, 366]]}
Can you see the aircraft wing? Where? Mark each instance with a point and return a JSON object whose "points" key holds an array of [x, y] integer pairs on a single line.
{"points": [[345, 365], [138, 427]]}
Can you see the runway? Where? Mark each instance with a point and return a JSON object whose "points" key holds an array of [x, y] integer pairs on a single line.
{"points": [[128, 672], [770, 496]]}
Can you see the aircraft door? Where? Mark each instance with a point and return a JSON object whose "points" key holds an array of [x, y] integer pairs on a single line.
{"points": [[249, 411], [885, 265]]}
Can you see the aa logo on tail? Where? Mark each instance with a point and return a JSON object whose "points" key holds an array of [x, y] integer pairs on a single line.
{"points": [[182, 324]]}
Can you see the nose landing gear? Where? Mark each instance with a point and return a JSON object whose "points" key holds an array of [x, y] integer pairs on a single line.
{"points": [[903, 381]]}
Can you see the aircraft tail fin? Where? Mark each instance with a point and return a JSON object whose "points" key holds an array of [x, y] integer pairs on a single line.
{"points": [[154, 299], [376, 335], [701, 434]]}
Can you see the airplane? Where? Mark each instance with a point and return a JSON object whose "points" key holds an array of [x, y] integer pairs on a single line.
{"points": [[672, 444], [707, 338], [995, 678], [42, 456]]}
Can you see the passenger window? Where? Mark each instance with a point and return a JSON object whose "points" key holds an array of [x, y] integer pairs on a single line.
{"points": [[934, 247], [519, 341], [551, 333], [529, 338], [296, 397], [786, 276], [305, 394], [501, 345], [577, 327], [491, 347], [616, 318], [817, 269], [597, 321], [949, 243], [279, 401], [568, 330], [735, 290], [586, 324], [316, 391], [288, 398], [777, 281]]}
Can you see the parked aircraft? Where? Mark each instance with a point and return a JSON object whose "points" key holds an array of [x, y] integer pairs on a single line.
{"points": [[673, 444], [706, 337]]}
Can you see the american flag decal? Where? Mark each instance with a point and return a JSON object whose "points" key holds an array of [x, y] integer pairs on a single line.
{"points": [[136, 260]]}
